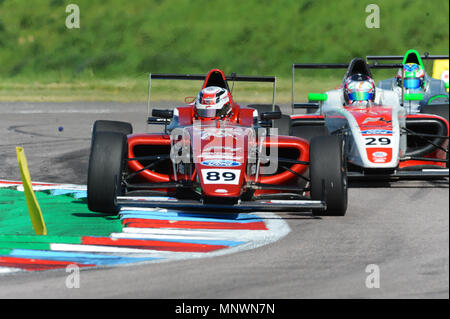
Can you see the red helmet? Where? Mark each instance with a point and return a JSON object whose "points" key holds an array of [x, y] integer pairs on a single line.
{"points": [[213, 102]]}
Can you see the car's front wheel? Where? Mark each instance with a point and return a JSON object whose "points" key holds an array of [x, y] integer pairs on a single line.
{"points": [[106, 164]]}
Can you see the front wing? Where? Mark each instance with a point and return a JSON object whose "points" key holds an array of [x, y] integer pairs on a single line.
{"points": [[401, 174], [257, 205]]}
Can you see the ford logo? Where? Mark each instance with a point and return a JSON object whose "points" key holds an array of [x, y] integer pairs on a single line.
{"points": [[221, 163]]}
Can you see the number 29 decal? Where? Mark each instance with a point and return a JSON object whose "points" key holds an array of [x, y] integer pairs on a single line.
{"points": [[221, 176], [377, 141]]}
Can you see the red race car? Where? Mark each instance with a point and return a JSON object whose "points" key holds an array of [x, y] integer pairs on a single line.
{"points": [[214, 154]]}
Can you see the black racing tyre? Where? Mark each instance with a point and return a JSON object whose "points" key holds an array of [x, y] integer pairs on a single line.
{"points": [[328, 174], [106, 164], [283, 124], [308, 132], [447, 164], [441, 110], [112, 126]]}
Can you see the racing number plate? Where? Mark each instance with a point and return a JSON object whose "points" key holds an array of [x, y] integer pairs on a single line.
{"points": [[221, 176], [377, 140]]}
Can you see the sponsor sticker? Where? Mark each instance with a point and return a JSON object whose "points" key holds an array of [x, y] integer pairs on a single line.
{"points": [[376, 119], [376, 132], [379, 157], [221, 176], [221, 163]]}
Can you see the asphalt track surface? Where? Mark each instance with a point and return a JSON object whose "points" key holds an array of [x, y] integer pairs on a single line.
{"points": [[403, 229]]}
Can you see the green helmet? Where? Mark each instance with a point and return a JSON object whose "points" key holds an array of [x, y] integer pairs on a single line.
{"points": [[414, 76]]}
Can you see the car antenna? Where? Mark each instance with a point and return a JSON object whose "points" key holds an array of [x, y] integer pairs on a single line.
{"points": [[233, 78], [426, 55]]}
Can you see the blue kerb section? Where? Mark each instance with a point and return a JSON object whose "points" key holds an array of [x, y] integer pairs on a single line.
{"points": [[74, 193], [81, 258], [80, 194], [184, 216]]}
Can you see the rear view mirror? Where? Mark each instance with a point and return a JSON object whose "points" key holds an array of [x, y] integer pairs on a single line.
{"points": [[317, 97], [311, 106], [267, 116], [164, 114]]}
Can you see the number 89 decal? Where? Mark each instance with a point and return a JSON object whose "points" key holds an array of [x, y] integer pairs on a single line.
{"points": [[221, 176], [378, 141]]}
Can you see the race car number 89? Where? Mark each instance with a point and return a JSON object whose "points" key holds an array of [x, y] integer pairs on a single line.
{"points": [[221, 176]]}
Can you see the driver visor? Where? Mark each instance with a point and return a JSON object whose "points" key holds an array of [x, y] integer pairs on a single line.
{"points": [[207, 112], [412, 83], [360, 96]]}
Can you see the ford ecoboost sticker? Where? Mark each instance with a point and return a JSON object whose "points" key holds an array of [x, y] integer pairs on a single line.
{"points": [[221, 163], [376, 132]]}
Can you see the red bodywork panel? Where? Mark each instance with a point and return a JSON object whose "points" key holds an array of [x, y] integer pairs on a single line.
{"points": [[438, 153]]}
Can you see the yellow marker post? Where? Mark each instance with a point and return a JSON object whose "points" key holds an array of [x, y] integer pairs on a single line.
{"points": [[441, 71], [33, 207]]}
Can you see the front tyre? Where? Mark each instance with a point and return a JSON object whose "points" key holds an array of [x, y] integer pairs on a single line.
{"points": [[112, 126], [328, 174], [106, 164]]}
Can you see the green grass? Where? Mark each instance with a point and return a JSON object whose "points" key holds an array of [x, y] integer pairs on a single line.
{"points": [[131, 38], [121, 41], [136, 90], [64, 216], [35, 90]]}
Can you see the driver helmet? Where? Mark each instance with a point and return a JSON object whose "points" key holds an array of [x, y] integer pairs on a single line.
{"points": [[414, 76], [213, 102], [359, 89]]}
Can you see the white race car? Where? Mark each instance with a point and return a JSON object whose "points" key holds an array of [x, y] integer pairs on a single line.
{"points": [[381, 140]]}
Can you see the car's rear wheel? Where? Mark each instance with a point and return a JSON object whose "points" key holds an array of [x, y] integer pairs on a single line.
{"points": [[328, 175], [106, 164], [281, 124], [307, 132]]}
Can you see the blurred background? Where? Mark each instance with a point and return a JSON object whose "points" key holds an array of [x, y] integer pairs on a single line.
{"points": [[119, 41]]}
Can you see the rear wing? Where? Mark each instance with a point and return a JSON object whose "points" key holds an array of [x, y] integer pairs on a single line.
{"points": [[426, 56], [323, 66], [200, 77]]}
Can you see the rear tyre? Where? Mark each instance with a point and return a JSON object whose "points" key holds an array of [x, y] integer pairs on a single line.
{"points": [[308, 132], [106, 164], [281, 124], [441, 110], [328, 174]]}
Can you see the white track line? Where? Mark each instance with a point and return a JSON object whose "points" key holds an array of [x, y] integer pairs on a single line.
{"points": [[161, 237], [8, 270], [237, 235], [127, 252]]}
